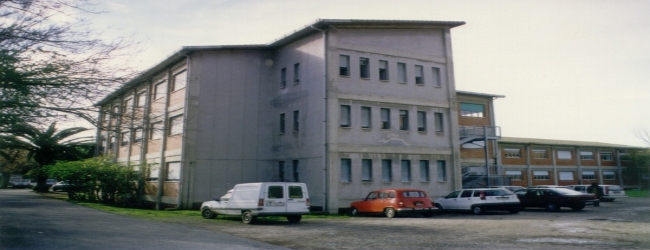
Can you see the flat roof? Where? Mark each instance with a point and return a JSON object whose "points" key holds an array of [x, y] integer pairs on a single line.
{"points": [[552, 142], [479, 94]]}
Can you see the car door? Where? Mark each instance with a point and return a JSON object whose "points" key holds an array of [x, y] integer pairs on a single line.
{"points": [[448, 201], [370, 203], [297, 198], [276, 199], [464, 202]]}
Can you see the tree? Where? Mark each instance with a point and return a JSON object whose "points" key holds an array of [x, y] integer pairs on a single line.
{"points": [[13, 161], [48, 146], [51, 66]]}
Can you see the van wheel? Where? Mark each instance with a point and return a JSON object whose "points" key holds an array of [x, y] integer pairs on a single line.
{"points": [[389, 212], [207, 213], [477, 210], [552, 207], [354, 211], [294, 218], [248, 218]]}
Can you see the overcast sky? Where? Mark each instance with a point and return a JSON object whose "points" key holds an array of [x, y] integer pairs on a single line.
{"points": [[569, 70]]}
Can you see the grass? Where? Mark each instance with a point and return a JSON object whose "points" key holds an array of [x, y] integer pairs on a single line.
{"points": [[637, 193]]}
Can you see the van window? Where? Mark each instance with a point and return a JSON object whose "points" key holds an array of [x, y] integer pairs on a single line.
{"points": [[276, 192], [295, 192], [466, 193]]}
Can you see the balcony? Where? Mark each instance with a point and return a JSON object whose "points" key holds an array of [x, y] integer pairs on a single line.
{"points": [[475, 133]]}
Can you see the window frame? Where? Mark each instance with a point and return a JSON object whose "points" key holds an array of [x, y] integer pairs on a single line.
{"points": [[366, 117], [421, 120], [587, 155], [437, 80], [606, 156], [174, 80], [514, 174], [283, 78], [344, 65], [364, 68], [282, 123], [386, 170], [171, 166], [419, 74], [564, 175], [383, 71], [296, 73], [402, 76], [345, 119], [441, 170], [346, 170], [541, 175], [403, 119], [160, 90], [588, 175], [156, 130], [609, 175], [384, 118], [564, 155], [539, 154], [406, 171], [471, 110], [296, 121], [366, 170], [439, 122], [174, 123], [511, 153], [425, 173]]}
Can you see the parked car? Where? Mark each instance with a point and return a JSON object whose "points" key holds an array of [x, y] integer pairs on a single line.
{"points": [[479, 200], [394, 202], [62, 186], [552, 199], [511, 188], [50, 182], [610, 192], [252, 200], [24, 183], [549, 186]]}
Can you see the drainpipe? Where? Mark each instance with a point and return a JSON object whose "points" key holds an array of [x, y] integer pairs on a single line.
{"points": [[325, 125]]}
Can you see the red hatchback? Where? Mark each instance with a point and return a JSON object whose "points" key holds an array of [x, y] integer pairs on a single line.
{"points": [[392, 202]]}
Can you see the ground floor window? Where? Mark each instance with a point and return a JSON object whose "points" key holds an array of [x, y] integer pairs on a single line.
{"points": [[588, 175], [540, 175], [514, 174], [609, 175], [173, 171], [566, 176], [346, 170], [442, 171]]}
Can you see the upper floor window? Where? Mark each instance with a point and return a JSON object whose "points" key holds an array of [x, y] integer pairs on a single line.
{"points": [[401, 72], [472, 109], [606, 156], [436, 77], [160, 90], [345, 116], [609, 175], [419, 74], [588, 175], [282, 122], [283, 78], [180, 80], [512, 153], [296, 73], [539, 154], [365, 117], [138, 135], [141, 99], [366, 170], [176, 125], [564, 154], [127, 105], [586, 155], [364, 68], [173, 171], [422, 121], [439, 122], [156, 130], [383, 70], [404, 120], [386, 170], [385, 118], [126, 137], [296, 121], [344, 65]]}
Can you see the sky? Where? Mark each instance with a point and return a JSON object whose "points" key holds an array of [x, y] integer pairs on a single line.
{"points": [[569, 70]]}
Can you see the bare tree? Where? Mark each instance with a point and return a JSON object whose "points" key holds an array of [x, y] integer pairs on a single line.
{"points": [[52, 67]]}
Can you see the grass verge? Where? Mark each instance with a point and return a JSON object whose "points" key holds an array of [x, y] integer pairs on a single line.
{"points": [[637, 193]]}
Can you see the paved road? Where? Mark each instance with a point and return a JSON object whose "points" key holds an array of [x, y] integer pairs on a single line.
{"points": [[31, 221]]}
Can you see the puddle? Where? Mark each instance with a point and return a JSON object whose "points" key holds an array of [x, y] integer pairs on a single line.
{"points": [[564, 241]]}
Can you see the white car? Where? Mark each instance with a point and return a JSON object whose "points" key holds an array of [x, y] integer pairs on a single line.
{"points": [[252, 200], [610, 192], [479, 200]]}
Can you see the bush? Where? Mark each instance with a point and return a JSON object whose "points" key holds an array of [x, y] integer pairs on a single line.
{"points": [[99, 180]]}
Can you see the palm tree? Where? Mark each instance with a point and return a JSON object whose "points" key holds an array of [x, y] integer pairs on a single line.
{"points": [[48, 146]]}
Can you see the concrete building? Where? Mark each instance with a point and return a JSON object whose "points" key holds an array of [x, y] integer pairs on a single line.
{"points": [[346, 106]]}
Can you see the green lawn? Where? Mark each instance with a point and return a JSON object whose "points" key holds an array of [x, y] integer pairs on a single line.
{"points": [[637, 193]]}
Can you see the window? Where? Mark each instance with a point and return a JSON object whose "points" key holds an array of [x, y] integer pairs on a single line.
{"points": [[540, 175], [472, 110], [422, 121], [126, 137], [588, 175], [586, 155], [180, 80], [436, 77], [296, 121], [160, 90], [364, 68], [385, 118], [563, 154], [406, 170], [513, 174], [404, 120], [383, 70], [345, 116], [366, 170], [156, 130], [439, 122], [141, 99], [111, 144], [138, 135], [566, 176], [365, 117], [295, 192], [176, 125], [296, 174], [442, 170], [282, 119], [344, 65], [154, 172], [274, 192], [386, 170], [401, 72], [346, 170], [512, 153], [173, 171], [424, 171], [281, 170], [127, 105], [609, 175], [606, 156], [539, 154], [283, 78], [296, 73], [419, 74]]}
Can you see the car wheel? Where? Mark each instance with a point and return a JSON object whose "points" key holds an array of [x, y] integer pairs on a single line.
{"points": [[294, 218], [207, 213], [578, 207], [442, 209], [248, 218], [389, 212], [477, 210], [552, 207], [354, 211]]}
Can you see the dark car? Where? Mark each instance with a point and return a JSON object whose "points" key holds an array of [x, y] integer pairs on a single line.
{"points": [[392, 202], [552, 199]]}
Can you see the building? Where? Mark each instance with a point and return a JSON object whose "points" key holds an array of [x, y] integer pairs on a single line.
{"points": [[342, 105]]}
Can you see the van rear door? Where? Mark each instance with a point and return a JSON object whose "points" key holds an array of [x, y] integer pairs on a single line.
{"points": [[276, 198], [297, 198]]}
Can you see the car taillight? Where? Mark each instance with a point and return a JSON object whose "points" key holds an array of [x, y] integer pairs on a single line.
{"points": [[308, 203], [260, 202]]}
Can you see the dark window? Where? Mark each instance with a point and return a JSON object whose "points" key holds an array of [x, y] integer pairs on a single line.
{"points": [[364, 71], [344, 65], [296, 73], [283, 78], [345, 116], [404, 120], [296, 121], [383, 70], [276, 192], [282, 121], [385, 118], [295, 192], [419, 74], [295, 171]]}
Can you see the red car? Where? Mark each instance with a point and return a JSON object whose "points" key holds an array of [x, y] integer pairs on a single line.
{"points": [[392, 202]]}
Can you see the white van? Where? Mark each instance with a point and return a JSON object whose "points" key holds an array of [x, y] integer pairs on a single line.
{"points": [[610, 192], [252, 200]]}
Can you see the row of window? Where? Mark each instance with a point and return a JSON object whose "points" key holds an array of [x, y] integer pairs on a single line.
{"points": [[172, 169], [295, 175], [156, 131], [179, 81], [563, 175], [561, 154], [296, 75], [385, 121], [387, 171], [382, 73]]}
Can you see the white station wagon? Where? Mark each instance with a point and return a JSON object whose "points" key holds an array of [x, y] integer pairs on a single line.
{"points": [[479, 200]]}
